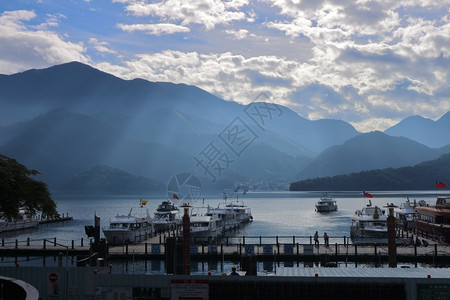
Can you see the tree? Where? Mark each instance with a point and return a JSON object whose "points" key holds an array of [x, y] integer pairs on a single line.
{"points": [[18, 190]]}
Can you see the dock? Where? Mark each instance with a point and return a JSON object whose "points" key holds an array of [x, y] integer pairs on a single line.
{"points": [[260, 249]]}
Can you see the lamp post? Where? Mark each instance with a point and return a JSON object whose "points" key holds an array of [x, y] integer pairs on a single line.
{"points": [[392, 247], [186, 240]]}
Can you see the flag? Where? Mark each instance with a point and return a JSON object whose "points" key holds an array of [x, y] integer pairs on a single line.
{"points": [[143, 202], [367, 195], [440, 184], [175, 196]]}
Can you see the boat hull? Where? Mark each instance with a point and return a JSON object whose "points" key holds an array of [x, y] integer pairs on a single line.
{"points": [[18, 225], [326, 208], [121, 237]]}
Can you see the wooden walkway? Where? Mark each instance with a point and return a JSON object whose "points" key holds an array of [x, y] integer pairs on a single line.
{"points": [[261, 248]]}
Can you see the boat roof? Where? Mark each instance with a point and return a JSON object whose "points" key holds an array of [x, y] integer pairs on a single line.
{"points": [[399, 272], [128, 219], [202, 218], [433, 211]]}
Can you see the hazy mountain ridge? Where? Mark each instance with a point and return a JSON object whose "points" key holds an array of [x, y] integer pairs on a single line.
{"points": [[419, 177], [426, 131], [68, 118], [374, 150], [107, 179]]}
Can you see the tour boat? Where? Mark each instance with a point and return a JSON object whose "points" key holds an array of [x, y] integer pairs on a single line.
{"points": [[406, 215], [243, 212], [434, 221], [166, 217], [204, 224], [131, 228], [369, 224], [23, 222], [15, 225], [326, 203]]}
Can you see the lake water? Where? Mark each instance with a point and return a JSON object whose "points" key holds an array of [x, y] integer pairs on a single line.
{"points": [[274, 213]]}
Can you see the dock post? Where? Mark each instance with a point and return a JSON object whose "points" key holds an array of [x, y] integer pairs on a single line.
{"points": [[17, 243], [243, 240], [146, 248], [54, 242], [81, 242], [415, 255], [297, 252], [3, 242], [277, 239], [73, 244], [435, 255], [28, 241], [260, 240], [45, 242], [126, 249], [336, 248], [310, 240]]}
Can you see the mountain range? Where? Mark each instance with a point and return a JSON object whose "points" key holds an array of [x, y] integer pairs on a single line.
{"points": [[72, 122], [422, 176]]}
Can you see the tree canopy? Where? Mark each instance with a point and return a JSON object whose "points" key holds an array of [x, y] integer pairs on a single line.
{"points": [[18, 190]]}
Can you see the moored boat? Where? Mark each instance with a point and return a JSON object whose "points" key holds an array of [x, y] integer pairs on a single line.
{"points": [[228, 217], [435, 220], [204, 225], [131, 228], [242, 211], [406, 215], [369, 224], [326, 203], [166, 217], [15, 225], [25, 221]]}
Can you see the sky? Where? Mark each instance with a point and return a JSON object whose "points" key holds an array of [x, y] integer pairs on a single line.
{"points": [[369, 63]]}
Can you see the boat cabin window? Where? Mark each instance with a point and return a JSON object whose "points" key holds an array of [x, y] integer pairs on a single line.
{"points": [[200, 224], [425, 218], [119, 225]]}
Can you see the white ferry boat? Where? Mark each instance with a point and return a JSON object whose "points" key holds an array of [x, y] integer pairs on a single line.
{"points": [[242, 211], [229, 219], [326, 203], [369, 225], [406, 215], [131, 228], [166, 217], [204, 225], [23, 222]]}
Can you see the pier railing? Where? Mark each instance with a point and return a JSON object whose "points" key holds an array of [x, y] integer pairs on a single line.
{"points": [[288, 248]]}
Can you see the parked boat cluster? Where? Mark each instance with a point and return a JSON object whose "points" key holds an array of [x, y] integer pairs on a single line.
{"points": [[206, 222]]}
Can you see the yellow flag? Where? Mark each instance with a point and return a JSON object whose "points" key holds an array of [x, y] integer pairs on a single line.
{"points": [[143, 202]]}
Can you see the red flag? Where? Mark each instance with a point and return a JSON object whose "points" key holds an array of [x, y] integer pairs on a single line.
{"points": [[367, 195], [175, 196], [440, 184]]}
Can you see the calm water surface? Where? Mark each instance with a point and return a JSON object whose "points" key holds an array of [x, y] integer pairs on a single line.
{"points": [[274, 213]]}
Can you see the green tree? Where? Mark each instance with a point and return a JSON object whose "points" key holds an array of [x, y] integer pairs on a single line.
{"points": [[19, 190]]}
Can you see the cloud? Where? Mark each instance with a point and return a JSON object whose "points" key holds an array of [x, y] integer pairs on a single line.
{"points": [[238, 34], [208, 13], [101, 46], [154, 29], [26, 46], [379, 60]]}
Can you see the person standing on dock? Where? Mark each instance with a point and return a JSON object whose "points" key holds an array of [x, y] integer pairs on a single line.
{"points": [[233, 271], [326, 239], [316, 238]]}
